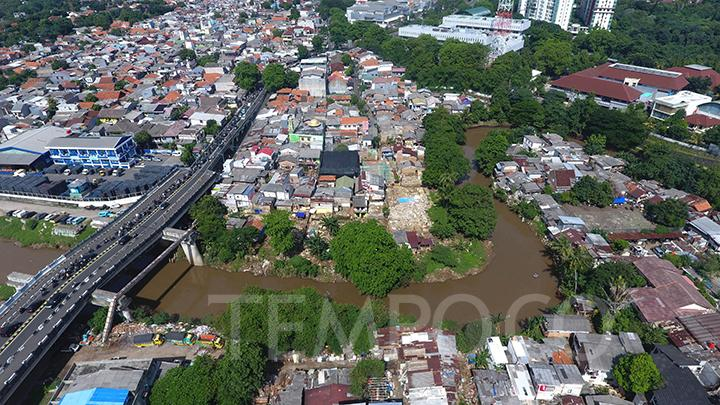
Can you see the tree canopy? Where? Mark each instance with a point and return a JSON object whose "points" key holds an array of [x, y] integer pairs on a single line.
{"points": [[219, 244], [254, 318], [637, 373], [591, 191], [623, 130], [671, 213], [247, 75], [491, 150], [276, 76], [281, 231], [659, 162], [364, 370], [471, 211], [445, 163], [367, 255], [233, 379]]}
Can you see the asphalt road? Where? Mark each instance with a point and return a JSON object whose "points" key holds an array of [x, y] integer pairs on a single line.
{"points": [[39, 322]]}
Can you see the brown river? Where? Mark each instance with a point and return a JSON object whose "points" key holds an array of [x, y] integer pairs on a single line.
{"points": [[515, 281]]}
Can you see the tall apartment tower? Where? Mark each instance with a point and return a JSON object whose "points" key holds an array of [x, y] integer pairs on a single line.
{"points": [[597, 13], [552, 11]]}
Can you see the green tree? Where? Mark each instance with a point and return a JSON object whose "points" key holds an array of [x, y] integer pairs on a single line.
{"points": [[624, 130], [331, 224], [471, 211], [59, 64], [637, 373], [97, 321], [595, 145], [209, 216], [187, 54], [281, 231], [318, 44], [590, 191], [52, 107], [570, 264], [302, 51], [712, 136], [579, 113], [671, 213], [120, 85], [274, 77], [91, 98], [598, 282], [247, 75], [526, 111], [239, 374], [294, 14], [362, 372], [318, 247], [441, 226], [186, 385], [143, 139], [187, 157], [491, 150], [699, 84], [554, 56], [366, 254], [211, 128]]}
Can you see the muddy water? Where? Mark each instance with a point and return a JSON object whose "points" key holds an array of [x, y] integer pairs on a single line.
{"points": [[23, 260], [505, 286]]}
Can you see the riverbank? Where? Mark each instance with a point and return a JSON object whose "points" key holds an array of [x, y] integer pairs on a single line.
{"points": [[514, 280], [37, 234]]}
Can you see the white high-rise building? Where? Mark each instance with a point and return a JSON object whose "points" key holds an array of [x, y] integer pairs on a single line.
{"points": [[597, 13], [552, 11]]}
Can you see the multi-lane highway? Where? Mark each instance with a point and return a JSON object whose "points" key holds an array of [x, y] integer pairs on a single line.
{"points": [[41, 311]]}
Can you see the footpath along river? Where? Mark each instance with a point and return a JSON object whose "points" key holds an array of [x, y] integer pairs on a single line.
{"points": [[505, 285]]}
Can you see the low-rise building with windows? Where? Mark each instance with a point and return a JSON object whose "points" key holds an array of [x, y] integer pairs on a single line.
{"points": [[106, 152]]}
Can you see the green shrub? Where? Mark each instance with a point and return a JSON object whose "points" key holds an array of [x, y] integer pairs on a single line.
{"points": [[443, 255]]}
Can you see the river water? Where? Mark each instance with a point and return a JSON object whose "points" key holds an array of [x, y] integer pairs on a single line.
{"points": [[515, 282]]}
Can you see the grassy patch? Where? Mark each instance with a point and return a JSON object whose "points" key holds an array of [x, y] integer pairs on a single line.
{"points": [[464, 256], [31, 232], [6, 291], [470, 256]]}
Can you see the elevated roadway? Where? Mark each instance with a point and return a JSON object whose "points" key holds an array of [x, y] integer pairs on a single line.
{"points": [[39, 313]]}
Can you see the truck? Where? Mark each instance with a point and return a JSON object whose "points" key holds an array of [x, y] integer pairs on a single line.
{"points": [[211, 340], [181, 338], [148, 339]]}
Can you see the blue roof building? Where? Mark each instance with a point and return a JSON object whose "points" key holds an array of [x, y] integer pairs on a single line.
{"points": [[98, 396], [108, 152]]}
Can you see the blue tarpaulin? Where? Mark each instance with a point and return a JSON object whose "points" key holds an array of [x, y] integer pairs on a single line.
{"points": [[96, 396], [619, 200]]}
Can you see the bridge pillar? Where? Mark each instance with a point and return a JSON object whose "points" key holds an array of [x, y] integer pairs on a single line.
{"points": [[192, 252], [189, 244]]}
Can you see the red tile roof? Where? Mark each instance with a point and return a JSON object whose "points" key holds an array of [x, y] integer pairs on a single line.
{"points": [[600, 87], [702, 120], [615, 71], [690, 72], [108, 95], [328, 395]]}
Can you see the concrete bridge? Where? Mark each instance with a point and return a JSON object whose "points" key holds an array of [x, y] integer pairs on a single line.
{"points": [[58, 293]]}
